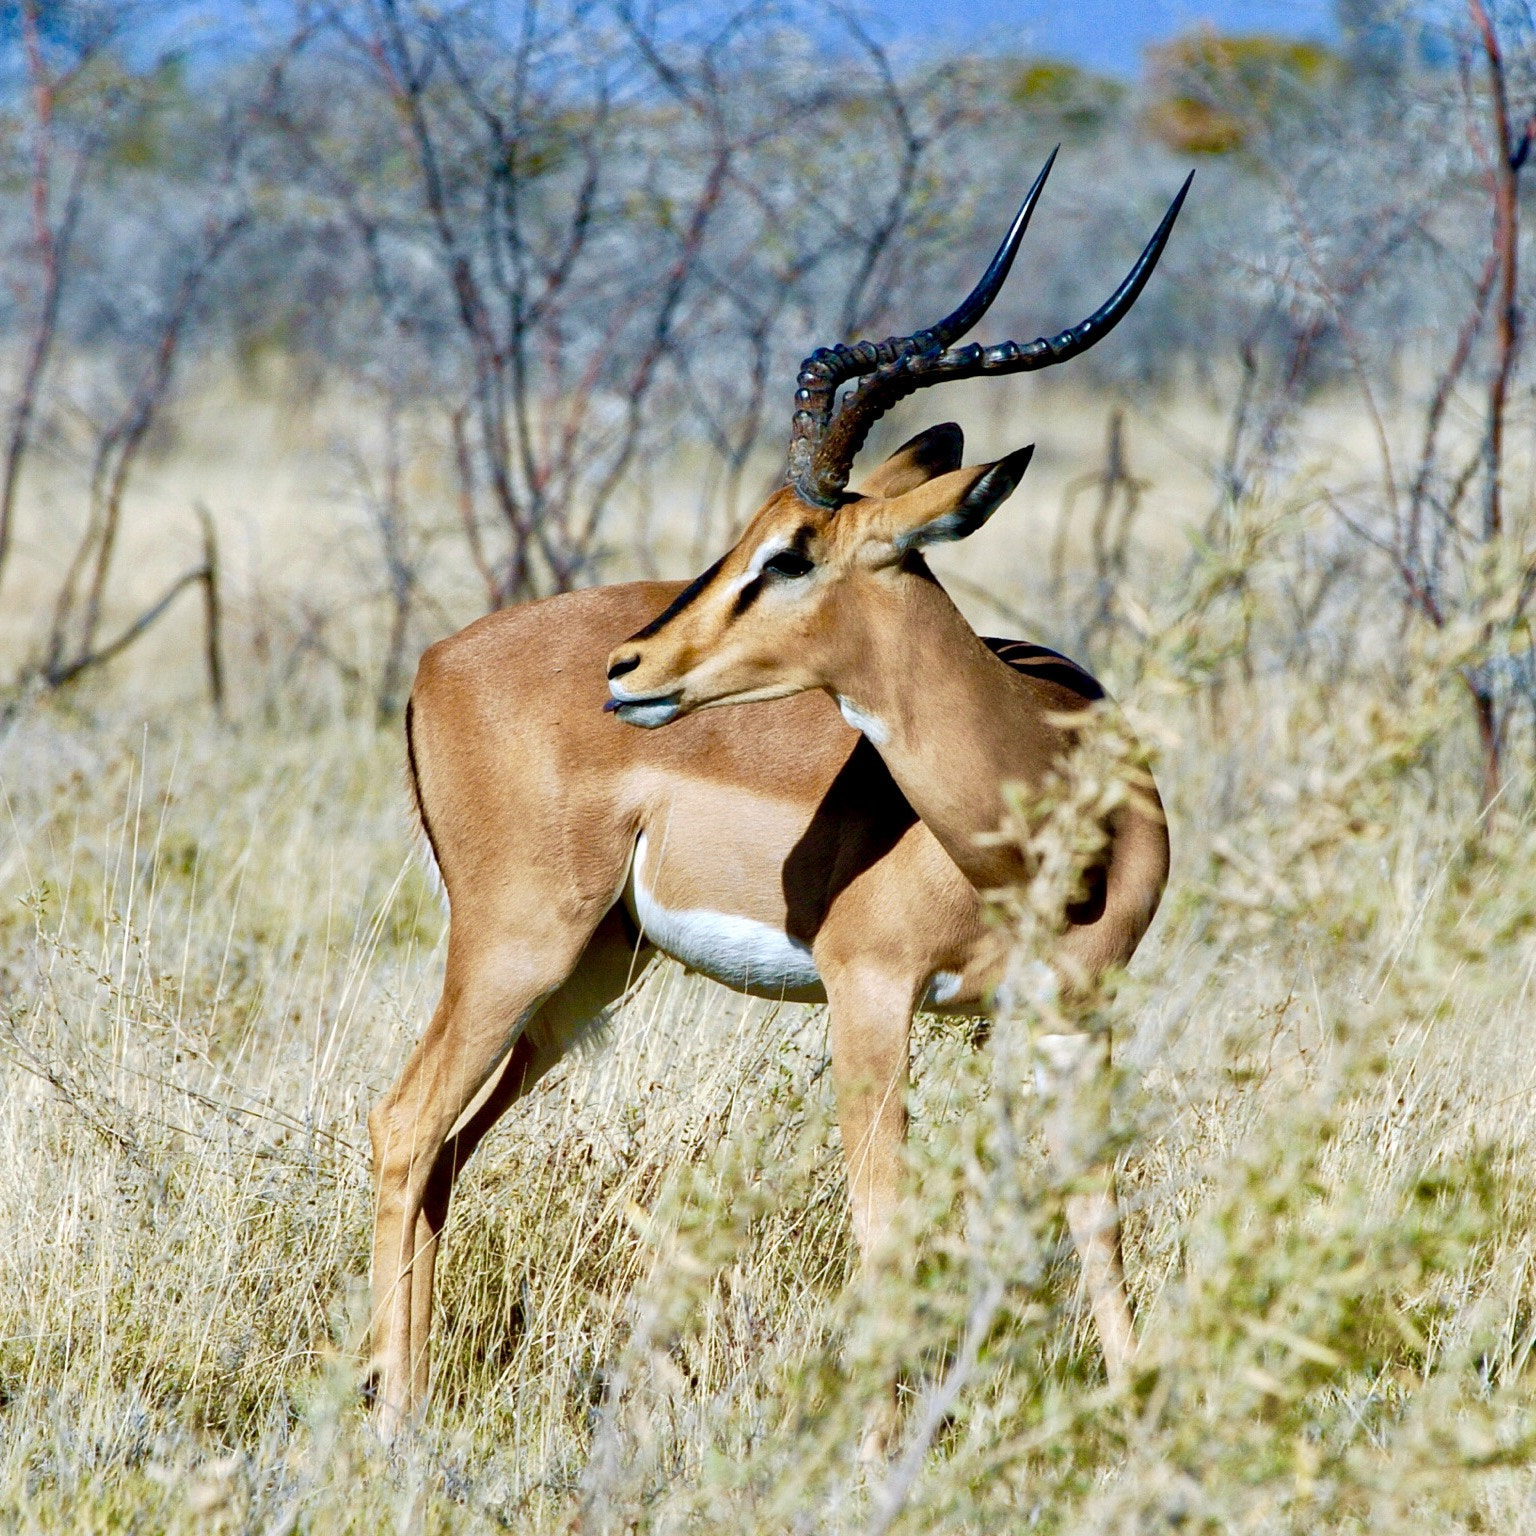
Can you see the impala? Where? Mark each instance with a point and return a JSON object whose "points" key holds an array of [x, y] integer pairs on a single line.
{"points": [[823, 840]]}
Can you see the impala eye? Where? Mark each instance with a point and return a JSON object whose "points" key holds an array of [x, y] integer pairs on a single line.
{"points": [[789, 563]]}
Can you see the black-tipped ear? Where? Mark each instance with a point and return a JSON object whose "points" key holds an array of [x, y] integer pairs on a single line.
{"points": [[997, 485], [935, 452], [986, 494]]}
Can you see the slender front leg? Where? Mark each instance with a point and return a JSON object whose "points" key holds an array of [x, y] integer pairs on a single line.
{"points": [[871, 1030], [1073, 1077]]}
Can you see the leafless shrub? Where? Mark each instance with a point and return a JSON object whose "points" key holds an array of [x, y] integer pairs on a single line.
{"points": [[169, 303]]}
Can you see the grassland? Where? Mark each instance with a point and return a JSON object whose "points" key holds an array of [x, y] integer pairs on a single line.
{"points": [[215, 949]]}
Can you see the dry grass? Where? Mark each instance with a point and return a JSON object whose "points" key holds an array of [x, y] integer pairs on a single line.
{"points": [[215, 949]]}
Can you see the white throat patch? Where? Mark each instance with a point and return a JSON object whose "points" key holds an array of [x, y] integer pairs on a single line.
{"points": [[861, 720]]}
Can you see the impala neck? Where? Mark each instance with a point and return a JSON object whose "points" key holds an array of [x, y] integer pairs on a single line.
{"points": [[952, 721]]}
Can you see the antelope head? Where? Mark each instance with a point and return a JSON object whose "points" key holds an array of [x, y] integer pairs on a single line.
{"points": [[770, 617]]}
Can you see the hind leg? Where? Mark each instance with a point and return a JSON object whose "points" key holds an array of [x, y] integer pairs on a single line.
{"points": [[502, 967], [1073, 1078], [611, 964]]}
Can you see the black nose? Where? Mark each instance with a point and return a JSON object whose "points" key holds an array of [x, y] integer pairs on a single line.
{"points": [[619, 668]]}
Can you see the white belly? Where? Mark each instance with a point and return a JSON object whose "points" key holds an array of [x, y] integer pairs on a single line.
{"points": [[739, 952]]}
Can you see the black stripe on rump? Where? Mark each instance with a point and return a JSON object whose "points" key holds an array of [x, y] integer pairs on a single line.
{"points": [[1040, 661], [415, 778]]}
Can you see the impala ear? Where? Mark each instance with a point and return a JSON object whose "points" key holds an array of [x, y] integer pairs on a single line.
{"points": [[951, 506], [934, 452]]}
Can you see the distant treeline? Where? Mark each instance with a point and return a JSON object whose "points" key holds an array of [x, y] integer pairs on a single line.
{"points": [[575, 236]]}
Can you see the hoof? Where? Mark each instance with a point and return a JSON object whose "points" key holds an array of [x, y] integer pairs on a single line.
{"points": [[872, 1449], [878, 1442], [387, 1416]]}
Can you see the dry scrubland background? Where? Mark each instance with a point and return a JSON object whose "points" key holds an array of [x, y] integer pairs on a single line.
{"points": [[431, 308]]}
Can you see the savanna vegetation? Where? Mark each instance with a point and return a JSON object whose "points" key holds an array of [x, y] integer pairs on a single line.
{"points": [[326, 328]]}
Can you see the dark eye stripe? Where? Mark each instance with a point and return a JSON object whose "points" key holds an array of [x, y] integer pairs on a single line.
{"points": [[747, 596], [681, 601]]}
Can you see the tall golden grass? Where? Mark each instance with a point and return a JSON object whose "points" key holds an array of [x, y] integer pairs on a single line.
{"points": [[215, 949]]}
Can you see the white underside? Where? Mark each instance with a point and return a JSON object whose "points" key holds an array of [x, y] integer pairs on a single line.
{"points": [[740, 952]]}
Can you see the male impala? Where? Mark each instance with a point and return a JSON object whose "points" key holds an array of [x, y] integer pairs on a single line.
{"points": [[824, 846]]}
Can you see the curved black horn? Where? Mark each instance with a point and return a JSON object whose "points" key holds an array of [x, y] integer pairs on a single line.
{"points": [[827, 369], [1098, 325], [883, 386], [965, 318]]}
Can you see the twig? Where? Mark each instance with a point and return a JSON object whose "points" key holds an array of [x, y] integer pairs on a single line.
{"points": [[58, 677], [212, 611]]}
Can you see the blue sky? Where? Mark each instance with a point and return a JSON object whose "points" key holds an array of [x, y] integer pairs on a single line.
{"points": [[1107, 35]]}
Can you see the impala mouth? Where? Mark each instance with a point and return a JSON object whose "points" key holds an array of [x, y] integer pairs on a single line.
{"points": [[648, 712]]}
